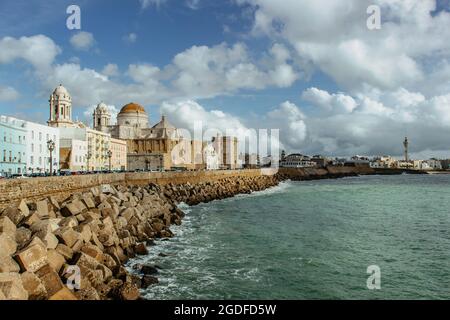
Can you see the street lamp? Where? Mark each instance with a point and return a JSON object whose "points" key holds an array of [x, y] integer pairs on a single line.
{"points": [[51, 147], [109, 158], [88, 157]]}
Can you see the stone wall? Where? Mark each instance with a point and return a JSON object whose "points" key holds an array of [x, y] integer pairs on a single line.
{"points": [[13, 191]]}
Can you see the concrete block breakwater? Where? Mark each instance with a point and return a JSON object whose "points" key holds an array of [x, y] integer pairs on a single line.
{"points": [[13, 191], [52, 242]]}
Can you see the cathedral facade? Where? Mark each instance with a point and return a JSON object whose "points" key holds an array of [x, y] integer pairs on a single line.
{"points": [[156, 147]]}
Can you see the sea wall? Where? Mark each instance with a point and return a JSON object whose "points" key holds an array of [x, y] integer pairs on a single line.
{"points": [[15, 190]]}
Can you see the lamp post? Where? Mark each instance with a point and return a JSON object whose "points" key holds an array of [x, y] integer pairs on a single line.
{"points": [[109, 158], [51, 147], [88, 157]]}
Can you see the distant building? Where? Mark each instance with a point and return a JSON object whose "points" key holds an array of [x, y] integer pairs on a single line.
{"points": [[321, 161], [445, 163], [118, 154], [211, 158], [383, 162], [268, 161], [13, 146], [434, 164], [227, 149], [98, 144], [251, 161], [357, 161], [297, 160]]}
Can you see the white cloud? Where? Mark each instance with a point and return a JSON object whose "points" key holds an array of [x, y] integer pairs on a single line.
{"points": [[147, 3], [331, 103], [198, 72], [8, 93], [130, 38], [144, 73], [287, 118], [40, 51], [186, 113], [377, 124], [82, 40], [111, 70], [193, 4], [208, 71], [291, 121], [332, 35]]}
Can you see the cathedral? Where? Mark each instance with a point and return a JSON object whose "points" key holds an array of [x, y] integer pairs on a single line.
{"points": [[149, 148]]}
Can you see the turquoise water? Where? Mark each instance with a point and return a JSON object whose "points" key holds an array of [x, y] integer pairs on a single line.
{"points": [[313, 240]]}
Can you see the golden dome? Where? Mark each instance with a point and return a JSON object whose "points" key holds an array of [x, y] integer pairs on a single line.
{"points": [[132, 108]]}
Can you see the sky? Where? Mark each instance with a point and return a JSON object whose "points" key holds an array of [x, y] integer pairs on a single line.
{"points": [[310, 68]]}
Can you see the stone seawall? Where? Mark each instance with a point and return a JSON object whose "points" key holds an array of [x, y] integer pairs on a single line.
{"points": [[13, 191]]}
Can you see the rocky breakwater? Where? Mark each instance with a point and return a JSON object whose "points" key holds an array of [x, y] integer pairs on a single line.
{"points": [[193, 194], [330, 172], [44, 244]]}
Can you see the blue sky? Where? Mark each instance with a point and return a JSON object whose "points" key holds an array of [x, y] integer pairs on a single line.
{"points": [[309, 68]]}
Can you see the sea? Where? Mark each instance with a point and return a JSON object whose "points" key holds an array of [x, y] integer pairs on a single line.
{"points": [[368, 237]]}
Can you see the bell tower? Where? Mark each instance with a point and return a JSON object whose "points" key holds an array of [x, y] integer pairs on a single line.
{"points": [[101, 118], [60, 108]]}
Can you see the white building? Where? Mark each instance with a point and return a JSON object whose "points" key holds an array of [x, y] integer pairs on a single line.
{"points": [[74, 154], [383, 162], [211, 158], [435, 164], [38, 154], [297, 160]]}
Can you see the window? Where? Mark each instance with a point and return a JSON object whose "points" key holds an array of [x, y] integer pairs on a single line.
{"points": [[4, 155], [32, 134], [32, 147], [31, 160], [10, 156], [40, 160], [40, 136], [40, 148]]}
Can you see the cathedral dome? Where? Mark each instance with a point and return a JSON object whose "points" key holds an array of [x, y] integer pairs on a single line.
{"points": [[132, 108]]}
